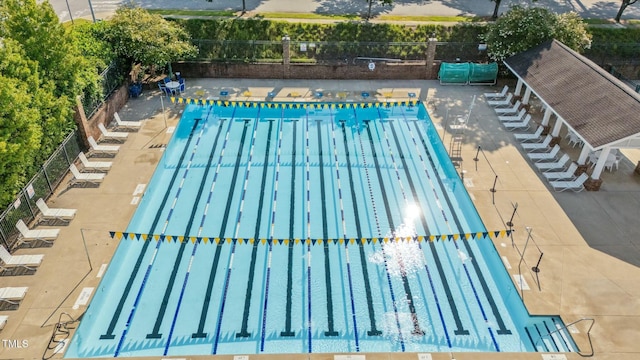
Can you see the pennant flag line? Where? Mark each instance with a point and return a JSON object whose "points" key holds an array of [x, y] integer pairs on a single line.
{"points": [[119, 235], [286, 105]]}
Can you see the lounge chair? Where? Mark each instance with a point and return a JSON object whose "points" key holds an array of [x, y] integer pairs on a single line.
{"points": [[55, 213], [94, 165], [517, 117], [102, 149], [569, 174], [12, 295], [509, 110], [28, 262], [524, 137], [120, 124], [504, 102], [524, 124], [541, 156], [553, 165], [575, 185], [544, 145], [112, 135], [32, 236], [497, 95], [91, 178]]}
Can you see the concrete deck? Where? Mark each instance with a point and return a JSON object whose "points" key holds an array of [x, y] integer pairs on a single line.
{"points": [[590, 266]]}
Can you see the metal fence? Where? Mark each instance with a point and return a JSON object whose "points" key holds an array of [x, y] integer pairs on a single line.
{"points": [[42, 185], [331, 52], [238, 51], [110, 78]]}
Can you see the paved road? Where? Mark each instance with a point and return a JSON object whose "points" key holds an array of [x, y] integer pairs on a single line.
{"points": [[586, 8]]}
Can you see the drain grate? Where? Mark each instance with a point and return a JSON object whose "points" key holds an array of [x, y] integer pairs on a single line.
{"points": [[158, 146]]}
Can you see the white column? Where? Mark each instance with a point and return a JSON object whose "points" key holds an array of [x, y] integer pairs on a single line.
{"points": [[547, 116], [582, 159], [518, 87], [527, 95], [556, 127], [600, 164]]}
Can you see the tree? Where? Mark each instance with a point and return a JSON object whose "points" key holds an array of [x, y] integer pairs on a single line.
{"points": [[384, 2], [20, 132], [522, 28], [623, 6], [62, 71], [148, 39]]}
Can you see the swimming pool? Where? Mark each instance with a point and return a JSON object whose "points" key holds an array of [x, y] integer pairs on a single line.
{"points": [[307, 228]]}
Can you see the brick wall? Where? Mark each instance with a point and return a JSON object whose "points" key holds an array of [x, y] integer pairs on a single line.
{"points": [[104, 115]]}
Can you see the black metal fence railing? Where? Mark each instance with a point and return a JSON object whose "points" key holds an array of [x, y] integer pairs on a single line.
{"points": [[238, 51], [331, 52], [42, 185], [111, 78]]}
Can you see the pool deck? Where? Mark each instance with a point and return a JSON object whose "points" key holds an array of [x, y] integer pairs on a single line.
{"points": [[590, 267]]}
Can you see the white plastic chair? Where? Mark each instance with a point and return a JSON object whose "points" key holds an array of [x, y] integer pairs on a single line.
{"points": [[12, 295], [524, 124], [517, 117], [31, 236], [575, 185], [126, 124], [91, 178], [553, 165], [544, 145], [509, 110], [524, 137], [504, 102], [55, 213], [569, 173], [94, 165], [497, 95], [29, 262], [542, 156], [112, 135], [102, 149]]}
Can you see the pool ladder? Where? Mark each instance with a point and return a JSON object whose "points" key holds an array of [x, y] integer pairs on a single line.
{"points": [[565, 328], [61, 333]]}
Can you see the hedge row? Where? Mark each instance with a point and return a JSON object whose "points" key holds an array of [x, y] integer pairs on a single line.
{"points": [[612, 43]]}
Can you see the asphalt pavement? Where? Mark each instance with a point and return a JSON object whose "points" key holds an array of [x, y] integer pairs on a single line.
{"points": [[67, 9]]}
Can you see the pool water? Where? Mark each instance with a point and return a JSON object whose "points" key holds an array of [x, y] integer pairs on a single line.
{"points": [[307, 228]]}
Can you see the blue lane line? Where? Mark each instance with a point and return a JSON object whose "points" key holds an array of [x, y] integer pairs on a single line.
{"points": [[292, 207], [235, 235], [155, 333], [309, 334], [195, 247], [405, 281], [363, 259], [155, 252], [464, 265], [325, 235], [344, 235], [436, 257], [199, 233], [272, 222], [377, 222], [254, 251], [426, 228], [216, 258], [134, 272]]}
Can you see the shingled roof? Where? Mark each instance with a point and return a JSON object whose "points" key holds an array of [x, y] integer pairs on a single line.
{"points": [[596, 105]]}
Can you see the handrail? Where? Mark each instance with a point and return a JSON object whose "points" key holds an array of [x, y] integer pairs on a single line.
{"points": [[60, 328], [593, 321]]}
